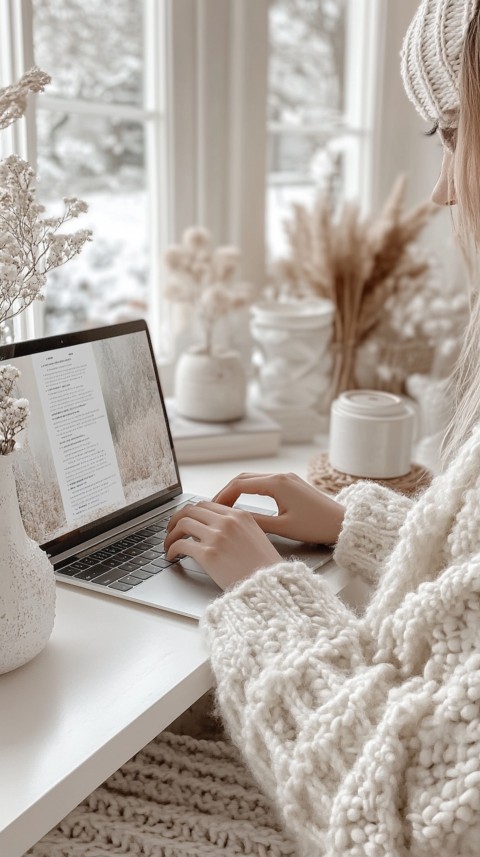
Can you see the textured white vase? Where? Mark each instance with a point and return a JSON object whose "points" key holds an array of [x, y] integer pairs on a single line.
{"points": [[210, 387], [293, 361], [27, 582], [293, 341]]}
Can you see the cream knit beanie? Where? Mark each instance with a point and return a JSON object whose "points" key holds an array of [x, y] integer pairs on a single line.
{"points": [[431, 57]]}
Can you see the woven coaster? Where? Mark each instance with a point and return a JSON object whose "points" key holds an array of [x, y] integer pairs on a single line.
{"points": [[323, 476]]}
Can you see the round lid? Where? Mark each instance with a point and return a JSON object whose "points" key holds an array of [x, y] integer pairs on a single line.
{"points": [[304, 312], [372, 403]]}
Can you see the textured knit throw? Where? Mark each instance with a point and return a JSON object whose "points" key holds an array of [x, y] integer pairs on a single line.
{"points": [[179, 797]]}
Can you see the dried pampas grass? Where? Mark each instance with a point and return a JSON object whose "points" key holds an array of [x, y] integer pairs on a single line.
{"points": [[356, 262]]}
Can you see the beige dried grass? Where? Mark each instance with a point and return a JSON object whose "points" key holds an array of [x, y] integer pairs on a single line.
{"points": [[355, 262]]}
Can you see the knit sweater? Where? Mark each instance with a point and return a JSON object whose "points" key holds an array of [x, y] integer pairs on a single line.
{"points": [[364, 730]]}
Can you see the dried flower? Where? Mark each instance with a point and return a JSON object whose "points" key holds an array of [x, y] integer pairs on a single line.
{"points": [[225, 263], [214, 302], [203, 277], [197, 238], [354, 262], [30, 245], [419, 329], [420, 306], [13, 412], [175, 257], [13, 99]]}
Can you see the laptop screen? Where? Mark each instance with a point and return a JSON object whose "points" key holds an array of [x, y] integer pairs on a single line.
{"points": [[97, 448]]}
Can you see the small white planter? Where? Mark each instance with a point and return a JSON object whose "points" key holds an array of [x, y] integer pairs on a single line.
{"points": [[293, 361], [210, 387], [27, 582]]}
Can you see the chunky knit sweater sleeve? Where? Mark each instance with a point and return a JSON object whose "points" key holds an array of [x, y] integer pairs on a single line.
{"points": [[373, 517], [364, 746], [297, 693], [364, 731]]}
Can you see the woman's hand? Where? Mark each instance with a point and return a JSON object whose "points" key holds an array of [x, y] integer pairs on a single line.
{"points": [[304, 513], [227, 543]]}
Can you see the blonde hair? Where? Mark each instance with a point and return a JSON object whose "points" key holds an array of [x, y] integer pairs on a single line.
{"points": [[465, 381]]}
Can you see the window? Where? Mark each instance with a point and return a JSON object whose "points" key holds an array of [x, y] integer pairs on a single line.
{"points": [[193, 99], [99, 133], [93, 127], [318, 104], [157, 117], [90, 144]]}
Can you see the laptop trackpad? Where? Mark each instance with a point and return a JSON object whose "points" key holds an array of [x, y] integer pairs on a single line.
{"points": [[189, 564], [313, 555]]}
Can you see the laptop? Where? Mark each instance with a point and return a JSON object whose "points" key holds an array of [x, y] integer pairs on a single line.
{"points": [[97, 478]]}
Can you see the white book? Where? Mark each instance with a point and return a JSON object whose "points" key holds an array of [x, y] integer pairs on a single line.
{"points": [[256, 435]]}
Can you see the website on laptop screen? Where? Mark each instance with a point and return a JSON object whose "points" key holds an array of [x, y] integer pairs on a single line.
{"points": [[96, 440]]}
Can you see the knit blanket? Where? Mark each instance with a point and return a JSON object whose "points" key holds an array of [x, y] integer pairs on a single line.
{"points": [[179, 797]]}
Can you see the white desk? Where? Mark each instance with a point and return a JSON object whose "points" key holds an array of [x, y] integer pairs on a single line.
{"points": [[112, 676]]}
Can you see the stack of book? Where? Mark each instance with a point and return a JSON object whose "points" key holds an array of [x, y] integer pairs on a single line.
{"points": [[255, 436]]}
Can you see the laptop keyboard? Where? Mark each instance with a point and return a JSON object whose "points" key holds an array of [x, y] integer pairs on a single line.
{"points": [[122, 565]]}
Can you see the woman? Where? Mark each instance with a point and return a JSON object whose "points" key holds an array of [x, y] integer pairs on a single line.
{"points": [[365, 731]]}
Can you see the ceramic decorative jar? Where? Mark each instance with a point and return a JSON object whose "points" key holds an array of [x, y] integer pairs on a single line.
{"points": [[371, 434], [27, 581], [210, 387], [293, 362]]}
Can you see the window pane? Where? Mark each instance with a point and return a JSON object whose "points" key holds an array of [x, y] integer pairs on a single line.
{"points": [[305, 106], [306, 74], [285, 190], [92, 51], [100, 161]]}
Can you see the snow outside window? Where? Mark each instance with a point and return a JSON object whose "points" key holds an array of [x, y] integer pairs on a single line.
{"points": [[156, 117], [186, 84], [322, 55], [98, 132], [92, 127]]}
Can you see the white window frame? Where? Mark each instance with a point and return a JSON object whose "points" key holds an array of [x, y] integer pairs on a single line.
{"points": [[18, 55], [218, 73], [357, 137], [366, 22], [212, 161], [207, 164]]}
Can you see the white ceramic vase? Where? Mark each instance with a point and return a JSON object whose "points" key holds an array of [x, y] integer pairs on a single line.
{"points": [[27, 582], [293, 341], [210, 387], [293, 362]]}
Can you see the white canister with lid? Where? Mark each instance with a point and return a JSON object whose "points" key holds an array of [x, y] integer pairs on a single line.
{"points": [[371, 434]]}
